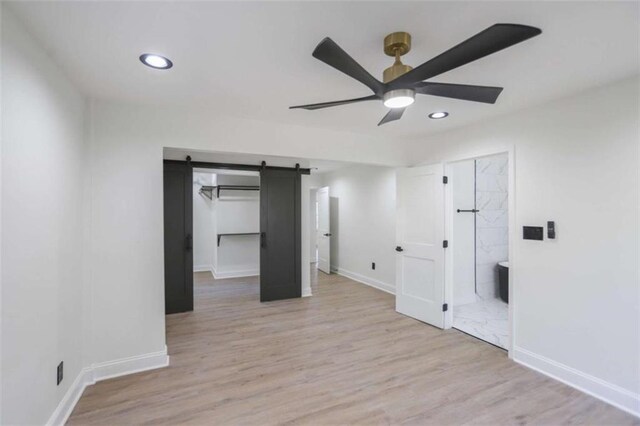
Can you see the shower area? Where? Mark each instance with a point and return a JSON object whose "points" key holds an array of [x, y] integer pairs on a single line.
{"points": [[480, 246]]}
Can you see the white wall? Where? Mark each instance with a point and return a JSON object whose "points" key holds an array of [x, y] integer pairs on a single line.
{"points": [[238, 212], [42, 216], [204, 224], [576, 298], [305, 228], [492, 225], [362, 210]]}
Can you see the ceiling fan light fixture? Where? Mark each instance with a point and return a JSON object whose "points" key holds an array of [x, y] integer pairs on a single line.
{"points": [[156, 61], [399, 98], [438, 115]]}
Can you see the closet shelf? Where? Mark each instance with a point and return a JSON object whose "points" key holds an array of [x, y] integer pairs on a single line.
{"points": [[208, 190], [238, 233]]}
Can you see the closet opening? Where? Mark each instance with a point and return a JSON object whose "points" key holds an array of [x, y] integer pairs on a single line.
{"points": [[226, 233], [232, 225]]}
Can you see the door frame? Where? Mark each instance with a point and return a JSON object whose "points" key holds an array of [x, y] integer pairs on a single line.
{"points": [[448, 223]]}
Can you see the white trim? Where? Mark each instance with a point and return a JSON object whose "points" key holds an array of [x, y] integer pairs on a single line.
{"points": [[71, 398], [130, 365], [371, 282], [203, 268], [306, 292], [103, 371], [238, 273], [608, 392]]}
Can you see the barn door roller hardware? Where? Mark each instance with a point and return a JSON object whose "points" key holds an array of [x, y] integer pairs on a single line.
{"points": [[231, 166]]}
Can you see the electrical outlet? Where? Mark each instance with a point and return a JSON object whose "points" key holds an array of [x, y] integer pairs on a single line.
{"points": [[373, 265], [60, 372]]}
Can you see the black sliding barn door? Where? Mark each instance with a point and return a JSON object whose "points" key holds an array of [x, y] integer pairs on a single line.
{"points": [[280, 274], [178, 237]]}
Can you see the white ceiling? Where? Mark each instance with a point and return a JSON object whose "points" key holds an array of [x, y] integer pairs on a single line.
{"points": [[254, 59]]}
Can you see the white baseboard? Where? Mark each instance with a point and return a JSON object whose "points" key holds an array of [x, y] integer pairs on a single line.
{"points": [[71, 398], [203, 268], [236, 273], [365, 280], [130, 365], [306, 292], [103, 371], [598, 388]]}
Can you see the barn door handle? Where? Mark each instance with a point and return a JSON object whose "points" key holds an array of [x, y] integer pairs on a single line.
{"points": [[398, 248], [188, 242], [263, 239]]}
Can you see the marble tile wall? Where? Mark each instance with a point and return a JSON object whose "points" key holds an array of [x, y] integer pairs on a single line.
{"points": [[492, 237]]}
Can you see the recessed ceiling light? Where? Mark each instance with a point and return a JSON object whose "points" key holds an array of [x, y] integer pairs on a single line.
{"points": [[438, 115], [156, 61]]}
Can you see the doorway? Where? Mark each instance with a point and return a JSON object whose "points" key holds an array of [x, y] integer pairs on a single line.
{"points": [[479, 247], [320, 224], [453, 263], [323, 230], [226, 228]]}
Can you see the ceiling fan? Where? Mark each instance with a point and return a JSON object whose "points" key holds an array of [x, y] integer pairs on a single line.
{"points": [[401, 82]]}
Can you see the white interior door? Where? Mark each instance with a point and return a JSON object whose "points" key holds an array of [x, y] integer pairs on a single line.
{"points": [[420, 251], [324, 231]]}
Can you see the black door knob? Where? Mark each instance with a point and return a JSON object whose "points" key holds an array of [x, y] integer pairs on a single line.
{"points": [[327, 235], [398, 248]]}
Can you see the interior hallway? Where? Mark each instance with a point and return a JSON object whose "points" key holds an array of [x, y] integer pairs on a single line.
{"points": [[342, 356]]}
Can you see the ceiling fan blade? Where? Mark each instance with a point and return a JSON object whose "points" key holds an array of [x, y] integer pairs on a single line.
{"points": [[332, 54], [491, 40], [485, 94], [392, 115], [335, 103]]}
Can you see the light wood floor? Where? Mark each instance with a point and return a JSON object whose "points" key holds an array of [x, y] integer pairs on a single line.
{"points": [[343, 356]]}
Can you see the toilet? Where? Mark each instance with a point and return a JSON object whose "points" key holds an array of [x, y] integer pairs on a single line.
{"points": [[503, 280]]}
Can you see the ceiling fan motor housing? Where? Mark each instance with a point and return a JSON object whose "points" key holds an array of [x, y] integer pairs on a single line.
{"points": [[396, 44]]}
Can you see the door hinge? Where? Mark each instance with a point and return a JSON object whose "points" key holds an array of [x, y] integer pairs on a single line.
{"points": [[445, 307], [445, 179], [445, 243]]}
